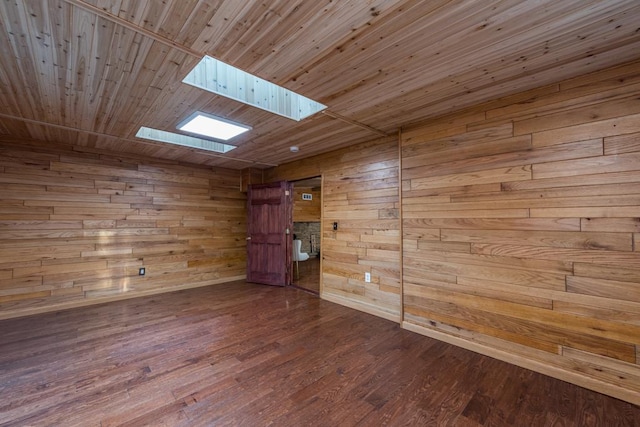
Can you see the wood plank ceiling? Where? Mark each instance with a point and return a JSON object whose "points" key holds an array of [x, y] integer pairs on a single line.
{"points": [[91, 72]]}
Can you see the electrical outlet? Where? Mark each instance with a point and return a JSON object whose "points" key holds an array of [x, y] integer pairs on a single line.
{"points": [[141, 271], [367, 277]]}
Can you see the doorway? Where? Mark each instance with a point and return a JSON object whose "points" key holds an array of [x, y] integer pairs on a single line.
{"points": [[307, 217]]}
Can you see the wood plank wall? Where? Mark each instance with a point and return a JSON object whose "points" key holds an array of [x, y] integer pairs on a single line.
{"points": [[250, 176], [521, 230], [75, 226], [360, 191], [307, 210]]}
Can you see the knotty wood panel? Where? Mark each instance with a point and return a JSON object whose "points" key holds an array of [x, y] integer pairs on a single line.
{"points": [[360, 192], [520, 225], [76, 225], [91, 72]]}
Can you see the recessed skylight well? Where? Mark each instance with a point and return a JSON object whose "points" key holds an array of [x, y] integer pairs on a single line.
{"points": [[228, 81], [212, 127], [223, 79], [201, 124], [183, 140]]}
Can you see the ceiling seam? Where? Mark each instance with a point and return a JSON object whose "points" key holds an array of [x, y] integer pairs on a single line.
{"points": [[354, 122], [105, 135], [170, 43], [133, 27]]}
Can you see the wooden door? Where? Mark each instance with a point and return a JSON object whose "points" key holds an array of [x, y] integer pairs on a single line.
{"points": [[269, 227]]}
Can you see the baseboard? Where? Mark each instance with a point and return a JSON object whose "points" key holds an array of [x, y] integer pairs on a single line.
{"points": [[394, 317], [29, 311], [534, 365]]}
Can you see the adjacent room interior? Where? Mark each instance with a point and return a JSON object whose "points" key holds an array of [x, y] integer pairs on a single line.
{"points": [[307, 212], [459, 183]]}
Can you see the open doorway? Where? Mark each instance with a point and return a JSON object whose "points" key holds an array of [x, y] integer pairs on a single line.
{"points": [[307, 215]]}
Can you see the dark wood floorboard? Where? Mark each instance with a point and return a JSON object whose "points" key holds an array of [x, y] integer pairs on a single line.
{"points": [[308, 277], [247, 355]]}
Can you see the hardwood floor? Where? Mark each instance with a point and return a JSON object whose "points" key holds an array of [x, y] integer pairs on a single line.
{"points": [[309, 275], [250, 355]]}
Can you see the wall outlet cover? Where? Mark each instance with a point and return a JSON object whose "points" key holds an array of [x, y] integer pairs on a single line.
{"points": [[367, 277]]}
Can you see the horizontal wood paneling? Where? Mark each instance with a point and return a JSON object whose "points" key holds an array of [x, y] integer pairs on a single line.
{"points": [[250, 176], [360, 192], [75, 227], [307, 210], [536, 260]]}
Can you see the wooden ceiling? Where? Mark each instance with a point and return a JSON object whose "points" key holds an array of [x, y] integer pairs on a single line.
{"points": [[91, 72]]}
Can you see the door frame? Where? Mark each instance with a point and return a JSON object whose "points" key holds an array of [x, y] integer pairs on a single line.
{"points": [[294, 181]]}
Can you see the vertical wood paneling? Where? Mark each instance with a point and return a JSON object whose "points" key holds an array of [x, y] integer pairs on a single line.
{"points": [[520, 225], [360, 192], [75, 227]]}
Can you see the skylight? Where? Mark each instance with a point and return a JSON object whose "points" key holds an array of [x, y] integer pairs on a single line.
{"points": [[223, 79], [211, 126], [183, 140]]}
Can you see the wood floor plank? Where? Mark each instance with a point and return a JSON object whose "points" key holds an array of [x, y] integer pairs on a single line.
{"points": [[244, 354]]}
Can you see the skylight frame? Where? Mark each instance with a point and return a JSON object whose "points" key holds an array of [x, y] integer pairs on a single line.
{"points": [[218, 77], [183, 140]]}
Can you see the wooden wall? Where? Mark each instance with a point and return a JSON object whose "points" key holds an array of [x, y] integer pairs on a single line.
{"points": [[307, 210], [521, 230], [250, 176], [360, 191], [75, 226]]}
